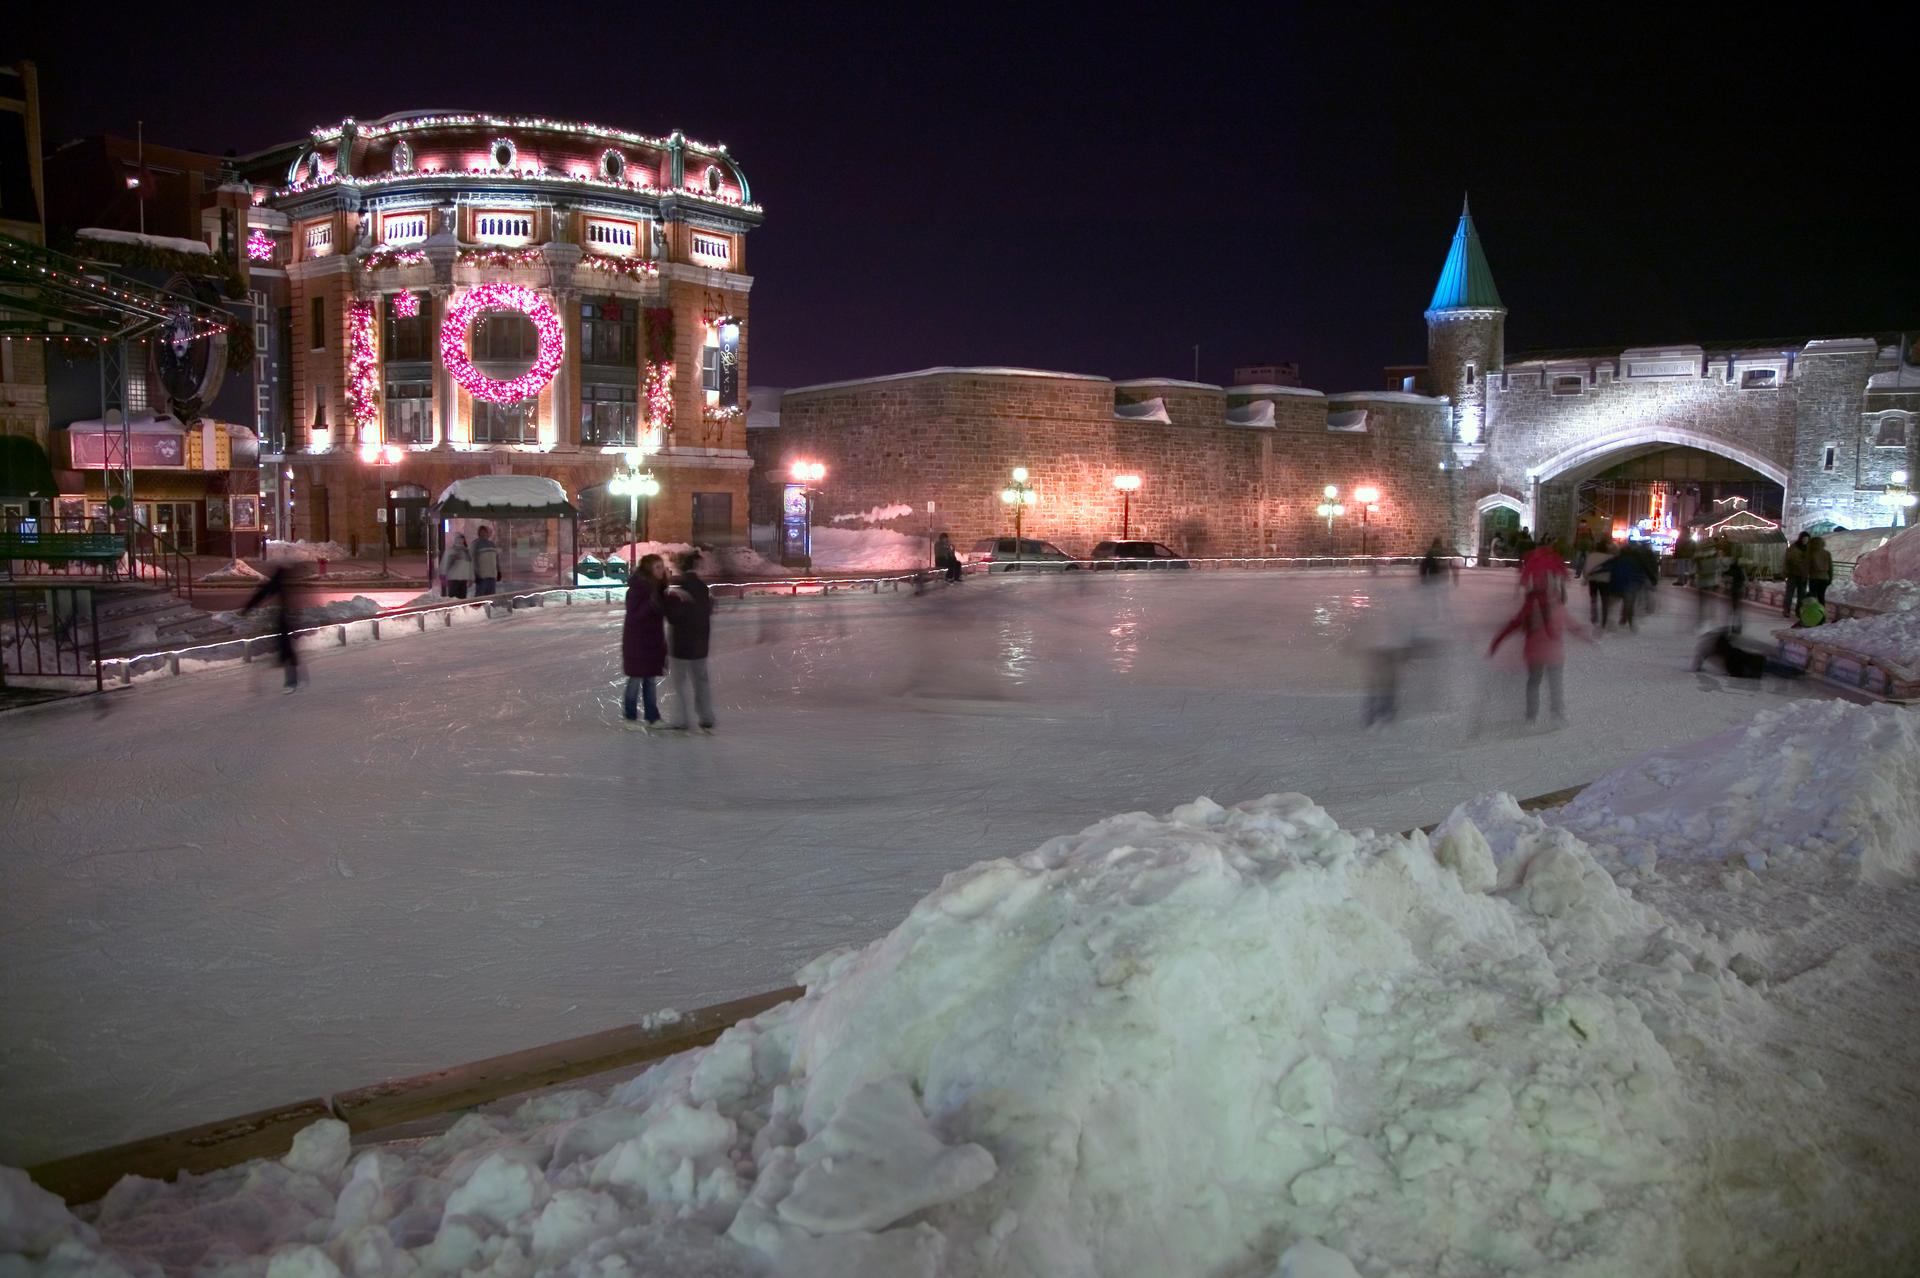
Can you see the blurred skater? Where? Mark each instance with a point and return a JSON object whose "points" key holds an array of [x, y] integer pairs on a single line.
{"points": [[643, 643], [1599, 578], [1819, 569], [274, 589], [486, 563], [689, 608], [1542, 622], [1545, 568], [1736, 591], [946, 558], [1794, 570], [456, 568]]}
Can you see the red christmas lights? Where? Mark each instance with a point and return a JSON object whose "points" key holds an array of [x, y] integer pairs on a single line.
{"points": [[363, 365], [260, 247], [501, 297], [406, 305]]}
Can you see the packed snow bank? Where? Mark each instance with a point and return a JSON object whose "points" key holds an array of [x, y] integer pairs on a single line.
{"points": [[1892, 636], [733, 560], [305, 551], [237, 570], [355, 609], [864, 549], [1897, 560], [1217, 1041], [1817, 782]]}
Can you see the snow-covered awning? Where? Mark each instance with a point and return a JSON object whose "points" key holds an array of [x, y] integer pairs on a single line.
{"points": [[1258, 413], [505, 497], [1354, 421], [1147, 410]]}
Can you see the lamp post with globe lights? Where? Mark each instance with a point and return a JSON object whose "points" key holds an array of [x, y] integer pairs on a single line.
{"points": [[1019, 494], [1898, 496], [1369, 498], [634, 483], [1330, 507], [384, 457], [1128, 485]]}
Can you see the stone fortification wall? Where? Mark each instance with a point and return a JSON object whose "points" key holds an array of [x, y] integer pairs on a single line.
{"points": [[1208, 487]]}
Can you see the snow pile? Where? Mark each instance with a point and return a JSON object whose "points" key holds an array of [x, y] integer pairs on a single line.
{"points": [[1897, 595], [1897, 560], [304, 551], [1810, 784], [1181, 1045], [355, 609], [237, 570], [736, 561], [170, 243], [1892, 637], [875, 515], [868, 549]]}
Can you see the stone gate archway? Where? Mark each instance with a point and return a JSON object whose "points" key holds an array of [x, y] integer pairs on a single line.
{"points": [[1552, 481]]}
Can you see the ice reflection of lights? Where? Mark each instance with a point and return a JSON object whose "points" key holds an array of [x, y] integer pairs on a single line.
{"points": [[1016, 648], [1125, 634]]}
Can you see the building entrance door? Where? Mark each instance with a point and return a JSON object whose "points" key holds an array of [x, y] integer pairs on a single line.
{"points": [[174, 521], [1502, 522], [407, 516]]}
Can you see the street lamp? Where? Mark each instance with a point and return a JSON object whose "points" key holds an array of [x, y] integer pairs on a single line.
{"points": [[385, 457], [1369, 498], [1128, 485], [1019, 494], [1898, 497], [633, 483], [1330, 507]]}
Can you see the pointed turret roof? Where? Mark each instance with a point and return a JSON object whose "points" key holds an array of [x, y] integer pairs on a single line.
{"points": [[1466, 281]]}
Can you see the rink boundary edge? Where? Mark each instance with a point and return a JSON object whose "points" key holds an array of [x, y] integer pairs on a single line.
{"points": [[384, 1106]]}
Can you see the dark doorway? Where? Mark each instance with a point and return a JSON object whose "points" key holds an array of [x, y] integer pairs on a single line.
{"points": [[407, 516]]}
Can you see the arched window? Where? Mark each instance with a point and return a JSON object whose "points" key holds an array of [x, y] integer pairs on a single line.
{"points": [[1892, 432], [713, 179], [613, 165], [502, 153]]}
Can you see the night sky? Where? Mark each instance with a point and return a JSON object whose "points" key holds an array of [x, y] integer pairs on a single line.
{"points": [[1097, 194]]}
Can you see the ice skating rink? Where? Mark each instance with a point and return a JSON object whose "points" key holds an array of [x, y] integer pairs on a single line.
{"points": [[215, 897]]}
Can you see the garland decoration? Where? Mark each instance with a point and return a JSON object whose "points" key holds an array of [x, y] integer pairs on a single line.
{"points": [[381, 258], [502, 297], [657, 385], [630, 267], [363, 365], [146, 257], [499, 256]]}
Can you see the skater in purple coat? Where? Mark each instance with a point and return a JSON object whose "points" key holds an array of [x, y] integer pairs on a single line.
{"points": [[643, 642]]}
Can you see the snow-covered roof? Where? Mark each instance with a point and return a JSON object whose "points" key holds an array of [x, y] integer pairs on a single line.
{"points": [[171, 243], [1385, 397], [1354, 422], [1167, 381], [1267, 388], [1257, 412], [505, 493], [1906, 377], [942, 369], [1151, 410]]}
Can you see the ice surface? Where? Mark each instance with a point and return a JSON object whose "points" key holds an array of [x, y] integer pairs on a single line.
{"points": [[1222, 1039], [443, 849]]}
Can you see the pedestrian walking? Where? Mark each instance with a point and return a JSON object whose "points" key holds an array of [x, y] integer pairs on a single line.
{"points": [[689, 608], [1542, 622], [1627, 578], [1600, 583], [946, 558], [1736, 591], [456, 568], [274, 589], [1819, 569], [1545, 568], [643, 643], [1795, 572], [486, 563]]}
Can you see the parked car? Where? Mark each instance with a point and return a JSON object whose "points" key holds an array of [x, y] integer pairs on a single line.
{"points": [[1136, 554], [997, 553]]}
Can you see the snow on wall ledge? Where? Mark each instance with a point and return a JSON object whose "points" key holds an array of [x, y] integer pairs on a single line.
{"points": [[1202, 1043]]}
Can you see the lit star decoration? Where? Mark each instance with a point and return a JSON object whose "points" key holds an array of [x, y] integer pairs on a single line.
{"points": [[260, 247], [363, 366], [501, 297], [406, 305]]}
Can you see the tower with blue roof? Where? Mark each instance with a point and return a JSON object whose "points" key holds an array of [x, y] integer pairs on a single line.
{"points": [[1466, 331]]}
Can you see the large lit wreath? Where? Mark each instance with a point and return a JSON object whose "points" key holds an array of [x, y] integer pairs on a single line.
{"points": [[501, 297]]}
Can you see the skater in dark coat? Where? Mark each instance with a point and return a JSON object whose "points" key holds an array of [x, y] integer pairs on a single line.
{"points": [[946, 558], [643, 642], [689, 608], [275, 588]]}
